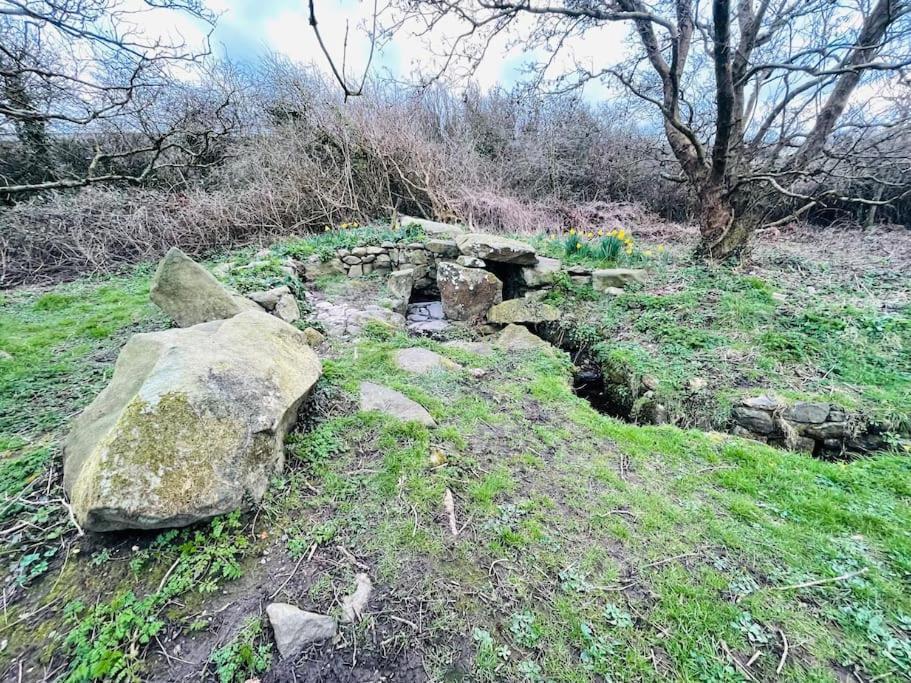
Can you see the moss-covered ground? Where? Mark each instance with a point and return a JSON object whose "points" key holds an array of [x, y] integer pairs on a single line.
{"points": [[587, 548]]}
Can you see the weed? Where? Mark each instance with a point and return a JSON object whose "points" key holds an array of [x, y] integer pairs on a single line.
{"points": [[247, 655]]}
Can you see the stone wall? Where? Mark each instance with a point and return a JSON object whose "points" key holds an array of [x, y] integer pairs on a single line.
{"points": [[812, 427]]}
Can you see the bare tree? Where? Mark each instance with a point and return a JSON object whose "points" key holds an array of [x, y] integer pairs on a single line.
{"points": [[88, 98], [752, 93]]}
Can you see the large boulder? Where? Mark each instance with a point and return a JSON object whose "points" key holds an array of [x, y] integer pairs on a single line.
{"points": [[496, 248], [607, 278], [522, 311], [189, 294], [542, 273], [467, 292], [191, 425]]}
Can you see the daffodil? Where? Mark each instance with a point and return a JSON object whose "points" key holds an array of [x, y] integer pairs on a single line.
{"points": [[621, 234], [579, 246], [572, 231]]}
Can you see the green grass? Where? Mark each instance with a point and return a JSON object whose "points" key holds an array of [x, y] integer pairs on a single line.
{"points": [[726, 327], [588, 547]]}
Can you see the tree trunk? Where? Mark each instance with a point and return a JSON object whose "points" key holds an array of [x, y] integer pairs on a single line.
{"points": [[723, 234]]}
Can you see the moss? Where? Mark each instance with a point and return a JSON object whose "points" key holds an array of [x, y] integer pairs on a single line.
{"points": [[139, 459]]}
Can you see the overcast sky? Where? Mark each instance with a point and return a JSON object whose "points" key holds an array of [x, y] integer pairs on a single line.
{"points": [[248, 28]]}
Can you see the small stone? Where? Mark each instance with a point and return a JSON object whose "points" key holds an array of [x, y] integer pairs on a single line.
{"points": [[755, 420], [579, 270], [696, 384], [613, 291], [437, 457], [826, 430], [444, 248], [581, 280], [351, 260], [780, 298], [470, 262], [392, 403], [650, 382], [287, 308], [544, 272], [765, 402], [314, 337], [480, 348], [375, 251], [295, 629], [359, 251], [355, 271], [518, 338], [477, 373], [5, 356], [421, 361], [807, 411]]}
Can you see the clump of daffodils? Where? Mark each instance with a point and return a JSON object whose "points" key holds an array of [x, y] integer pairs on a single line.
{"points": [[601, 244], [342, 226]]}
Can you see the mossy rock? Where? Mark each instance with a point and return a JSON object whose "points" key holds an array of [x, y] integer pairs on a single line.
{"points": [[191, 425]]}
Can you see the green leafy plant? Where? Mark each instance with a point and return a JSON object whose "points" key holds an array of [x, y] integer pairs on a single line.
{"points": [[107, 640], [247, 655]]}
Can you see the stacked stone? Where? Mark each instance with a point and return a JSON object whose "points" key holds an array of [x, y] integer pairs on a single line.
{"points": [[812, 427]]}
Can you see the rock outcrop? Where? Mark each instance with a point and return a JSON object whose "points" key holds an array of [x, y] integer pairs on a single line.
{"points": [[191, 425], [189, 294], [467, 293], [496, 248]]}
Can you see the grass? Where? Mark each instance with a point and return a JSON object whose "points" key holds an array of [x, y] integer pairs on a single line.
{"points": [[588, 547], [745, 337]]}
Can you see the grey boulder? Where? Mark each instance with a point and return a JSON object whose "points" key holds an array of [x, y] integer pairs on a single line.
{"points": [[191, 424], [467, 293], [189, 294]]}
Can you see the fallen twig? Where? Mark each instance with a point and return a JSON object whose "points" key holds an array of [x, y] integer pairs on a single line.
{"points": [[819, 582], [293, 572], [352, 559], [449, 506], [784, 652]]}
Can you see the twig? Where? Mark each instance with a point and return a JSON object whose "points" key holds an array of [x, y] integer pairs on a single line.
{"points": [[166, 575], [352, 559], [819, 582], [405, 621], [740, 667], [784, 652], [69, 511], [449, 506], [293, 572], [669, 559]]}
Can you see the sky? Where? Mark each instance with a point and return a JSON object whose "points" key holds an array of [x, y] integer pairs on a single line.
{"points": [[249, 28]]}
